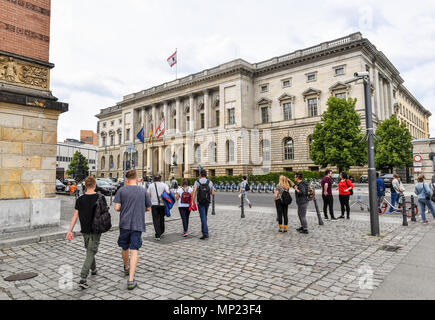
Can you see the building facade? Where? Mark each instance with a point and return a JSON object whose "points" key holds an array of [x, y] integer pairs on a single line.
{"points": [[89, 137], [65, 154], [247, 118]]}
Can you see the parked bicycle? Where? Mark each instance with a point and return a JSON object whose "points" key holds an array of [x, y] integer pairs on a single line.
{"points": [[384, 205]]}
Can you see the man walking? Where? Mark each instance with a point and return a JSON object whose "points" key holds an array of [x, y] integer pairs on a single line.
{"points": [[155, 191], [84, 210], [132, 201], [380, 189], [243, 192], [203, 189], [301, 189], [328, 199]]}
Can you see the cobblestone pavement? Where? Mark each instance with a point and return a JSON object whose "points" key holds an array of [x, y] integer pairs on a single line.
{"points": [[243, 259]]}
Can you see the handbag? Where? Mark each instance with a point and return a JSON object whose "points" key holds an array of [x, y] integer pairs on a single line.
{"points": [[351, 190]]}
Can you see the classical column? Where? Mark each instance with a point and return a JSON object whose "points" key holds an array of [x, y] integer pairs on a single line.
{"points": [[165, 112], [387, 100], [222, 108], [206, 109], [192, 113], [179, 114], [381, 99], [154, 116], [375, 99], [161, 164]]}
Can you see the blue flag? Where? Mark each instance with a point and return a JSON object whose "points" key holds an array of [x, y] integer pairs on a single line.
{"points": [[141, 135]]}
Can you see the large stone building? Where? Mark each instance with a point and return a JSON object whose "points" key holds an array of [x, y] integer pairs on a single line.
{"points": [[241, 117], [28, 118]]}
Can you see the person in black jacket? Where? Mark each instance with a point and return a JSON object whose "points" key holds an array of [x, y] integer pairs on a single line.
{"points": [[301, 189]]}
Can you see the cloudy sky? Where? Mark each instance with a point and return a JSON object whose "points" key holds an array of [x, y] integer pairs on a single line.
{"points": [[105, 49]]}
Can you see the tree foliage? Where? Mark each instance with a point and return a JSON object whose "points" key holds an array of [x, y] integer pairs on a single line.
{"points": [[78, 167], [337, 140], [395, 149]]}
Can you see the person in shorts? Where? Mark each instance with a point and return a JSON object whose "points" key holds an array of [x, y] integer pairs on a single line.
{"points": [[132, 201]]}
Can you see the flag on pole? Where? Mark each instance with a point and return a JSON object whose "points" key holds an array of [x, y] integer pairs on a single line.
{"points": [[141, 135], [151, 132], [161, 129], [172, 60]]}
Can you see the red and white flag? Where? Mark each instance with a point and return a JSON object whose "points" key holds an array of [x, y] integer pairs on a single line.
{"points": [[161, 129], [172, 60]]}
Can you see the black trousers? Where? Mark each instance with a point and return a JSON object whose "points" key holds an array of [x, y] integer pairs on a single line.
{"points": [[328, 201], [344, 201], [282, 211], [158, 213]]}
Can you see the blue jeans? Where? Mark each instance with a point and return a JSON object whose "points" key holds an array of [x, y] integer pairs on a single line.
{"points": [[394, 198], [203, 210], [423, 204]]}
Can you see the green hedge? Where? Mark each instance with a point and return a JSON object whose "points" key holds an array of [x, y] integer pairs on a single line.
{"points": [[271, 177]]}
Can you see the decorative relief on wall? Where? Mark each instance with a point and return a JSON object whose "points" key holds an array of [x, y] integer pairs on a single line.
{"points": [[24, 32], [15, 71], [30, 6]]}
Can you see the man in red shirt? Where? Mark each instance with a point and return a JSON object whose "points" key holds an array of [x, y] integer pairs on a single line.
{"points": [[328, 199]]}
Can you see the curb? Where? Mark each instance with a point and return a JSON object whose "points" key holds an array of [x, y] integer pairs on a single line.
{"points": [[11, 243]]}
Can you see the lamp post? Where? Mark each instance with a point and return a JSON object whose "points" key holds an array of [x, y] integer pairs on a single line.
{"points": [[370, 135]]}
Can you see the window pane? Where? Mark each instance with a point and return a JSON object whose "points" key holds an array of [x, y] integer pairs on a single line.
{"points": [[312, 107], [287, 111], [264, 115], [288, 149]]}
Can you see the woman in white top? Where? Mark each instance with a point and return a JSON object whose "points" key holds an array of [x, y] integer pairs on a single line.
{"points": [[184, 195]]}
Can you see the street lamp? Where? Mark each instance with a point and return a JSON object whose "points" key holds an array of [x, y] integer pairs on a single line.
{"points": [[370, 135]]}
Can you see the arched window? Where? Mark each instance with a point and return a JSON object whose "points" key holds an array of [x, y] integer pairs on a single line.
{"points": [[230, 151], [265, 150], [103, 163], [289, 149], [213, 154], [111, 162], [198, 154]]}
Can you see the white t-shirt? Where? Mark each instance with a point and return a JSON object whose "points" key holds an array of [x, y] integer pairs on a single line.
{"points": [[160, 188], [180, 191]]}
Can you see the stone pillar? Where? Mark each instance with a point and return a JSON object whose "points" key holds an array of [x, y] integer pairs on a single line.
{"points": [[165, 111], [381, 100], [206, 109], [161, 162], [154, 116], [192, 114], [374, 80], [222, 110], [387, 100], [179, 115]]}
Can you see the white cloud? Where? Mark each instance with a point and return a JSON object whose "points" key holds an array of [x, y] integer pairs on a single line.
{"points": [[104, 50]]}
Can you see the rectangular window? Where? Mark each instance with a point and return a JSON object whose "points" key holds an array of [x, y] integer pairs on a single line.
{"points": [[188, 123], [175, 123], [231, 116], [265, 115], [217, 118], [230, 172], [213, 173], [287, 111], [104, 125], [341, 95], [339, 71], [288, 169], [312, 107], [202, 120], [127, 135], [286, 83], [112, 123], [264, 88], [311, 77]]}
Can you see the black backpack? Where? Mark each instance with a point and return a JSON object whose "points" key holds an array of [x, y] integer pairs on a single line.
{"points": [[286, 198], [102, 220], [204, 193]]}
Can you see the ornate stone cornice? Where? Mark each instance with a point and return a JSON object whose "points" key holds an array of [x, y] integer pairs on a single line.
{"points": [[338, 86], [311, 92], [286, 97]]}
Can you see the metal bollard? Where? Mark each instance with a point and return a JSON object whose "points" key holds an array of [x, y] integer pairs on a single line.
{"points": [[111, 195], [242, 205], [213, 212], [413, 219], [319, 216], [405, 217]]}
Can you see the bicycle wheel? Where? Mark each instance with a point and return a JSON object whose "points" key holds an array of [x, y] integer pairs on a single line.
{"points": [[409, 209]]}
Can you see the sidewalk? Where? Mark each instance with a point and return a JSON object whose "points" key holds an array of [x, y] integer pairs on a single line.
{"points": [[414, 277]]}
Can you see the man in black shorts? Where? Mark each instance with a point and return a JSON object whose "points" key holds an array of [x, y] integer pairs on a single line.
{"points": [[132, 201]]}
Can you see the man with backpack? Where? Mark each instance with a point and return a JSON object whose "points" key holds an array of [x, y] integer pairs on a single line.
{"points": [[203, 189], [244, 189], [85, 211], [132, 201], [155, 191], [301, 189]]}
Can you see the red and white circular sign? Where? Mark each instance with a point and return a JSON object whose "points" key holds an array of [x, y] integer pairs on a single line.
{"points": [[418, 158]]}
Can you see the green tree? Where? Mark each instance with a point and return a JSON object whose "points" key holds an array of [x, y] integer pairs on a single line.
{"points": [[78, 167], [395, 149], [337, 139]]}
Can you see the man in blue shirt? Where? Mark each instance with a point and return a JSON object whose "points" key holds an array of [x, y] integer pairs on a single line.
{"points": [[131, 201], [380, 187]]}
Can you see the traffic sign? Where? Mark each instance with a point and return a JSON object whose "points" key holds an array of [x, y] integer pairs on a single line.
{"points": [[418, 158], [418, 170]]}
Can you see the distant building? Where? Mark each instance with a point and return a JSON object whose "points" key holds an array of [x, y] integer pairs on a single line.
{"points": [[89, 137], [65, 154]]}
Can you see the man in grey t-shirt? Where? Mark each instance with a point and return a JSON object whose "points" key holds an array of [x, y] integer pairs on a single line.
{"points": [[131, 201], [200, 190]]}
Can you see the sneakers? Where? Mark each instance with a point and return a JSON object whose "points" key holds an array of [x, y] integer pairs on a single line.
{"points": [[94, 272], [127, 272], [250, 206], [203, 238], [326, 218], [83, 284], [341, 217], [425, 222], [285, 229], [131, 285], [157, 239], [300, 229], [334, 219], [185, 235]]}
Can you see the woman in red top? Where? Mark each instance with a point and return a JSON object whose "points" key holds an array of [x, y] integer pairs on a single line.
{"points": [[344, 188]]}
